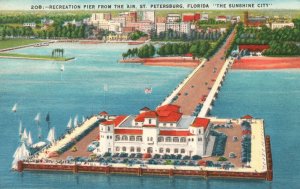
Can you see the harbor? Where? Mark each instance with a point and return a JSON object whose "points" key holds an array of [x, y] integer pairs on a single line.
{"points": [[55, 155]]}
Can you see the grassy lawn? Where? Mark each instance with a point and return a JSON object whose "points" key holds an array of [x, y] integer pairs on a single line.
{"points": [[28, 56], [9, 43]]}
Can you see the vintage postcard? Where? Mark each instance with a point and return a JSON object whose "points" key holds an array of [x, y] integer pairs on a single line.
{"points": [[149, 94]]}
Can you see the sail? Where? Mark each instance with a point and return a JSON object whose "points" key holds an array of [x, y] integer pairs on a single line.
{"points": [[69, 126], [20, 128], [51, 135], [24, 136], [83, 119], [76, 121], [48, 117], [62, 68], [37, 118], [14, 109], [29, 140], [20, 154]]}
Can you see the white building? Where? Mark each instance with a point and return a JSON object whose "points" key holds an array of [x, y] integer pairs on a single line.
{"points": [[147, 15], [275, 25], [163, 131], [29, 24], [183, 27], [221, 18], [204, 16], [160, 27], [173, 18], [73, 22]]}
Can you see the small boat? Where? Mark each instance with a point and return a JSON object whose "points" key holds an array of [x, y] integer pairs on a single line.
{"points": [[62, 68], [37, 118], [69, 126], [29, 139], [75, 121], [51, 135], [45, 44], [83, 119], [20, 129], [37, 45], [14, 109]]}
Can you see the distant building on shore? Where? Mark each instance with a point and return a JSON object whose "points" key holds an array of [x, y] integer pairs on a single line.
{"points": [[254, 21], [29, 24], [161, 131], [275, 25], [191, 17]]}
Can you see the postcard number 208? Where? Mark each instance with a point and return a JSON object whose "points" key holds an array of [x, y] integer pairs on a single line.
{"points": [[36, 7]]}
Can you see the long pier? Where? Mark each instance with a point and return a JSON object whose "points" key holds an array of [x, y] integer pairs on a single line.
{"points": [[207, 105]]}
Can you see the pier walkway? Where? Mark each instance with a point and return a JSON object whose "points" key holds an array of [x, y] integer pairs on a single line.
{"points": [[69, 137], [194, 90]]}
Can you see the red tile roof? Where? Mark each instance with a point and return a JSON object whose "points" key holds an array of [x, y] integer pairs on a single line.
{"points": [[140, 117], [150, 114], [128, 131], [222, 17], [246, 132], [254, 47], [116, 122], [168, 107], [171, 117], [103, 113], [247, 117], [201, 122], [174, 133]]}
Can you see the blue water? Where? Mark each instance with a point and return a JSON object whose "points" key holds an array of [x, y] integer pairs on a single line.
{"points": [[39, 86]]}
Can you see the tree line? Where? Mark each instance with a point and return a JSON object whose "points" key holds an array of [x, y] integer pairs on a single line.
{"points": [[146, 51]]}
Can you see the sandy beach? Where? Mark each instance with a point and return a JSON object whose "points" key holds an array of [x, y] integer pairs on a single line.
{"points": [[266, 63]]}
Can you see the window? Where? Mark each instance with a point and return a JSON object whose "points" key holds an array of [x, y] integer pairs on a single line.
{"points": [[165, 124], [108, 128], [192, 140], [199, 131], [150, 121], [107, 137], [175, 139], [139, 138], [132, 138], [118, 137], [200, 139], [168, 139], [124, 149], [110, 137], [189, 139], [168, 150], [182, 151], [151, 138], [131, 149], [117, 148], [136, 123], [124, 137], [182, 139], [138, 149], [176, 150], [160, 139], [161, 150]]}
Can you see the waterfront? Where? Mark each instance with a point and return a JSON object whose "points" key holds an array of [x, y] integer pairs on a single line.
{"points": [[80, 99]]}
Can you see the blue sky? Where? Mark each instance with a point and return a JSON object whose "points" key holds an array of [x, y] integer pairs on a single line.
{"points": [[25, 4]]}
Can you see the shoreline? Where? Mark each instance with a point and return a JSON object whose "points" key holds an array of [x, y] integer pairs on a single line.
{"points": [[266, 63], [36, 58], [176, 61]]}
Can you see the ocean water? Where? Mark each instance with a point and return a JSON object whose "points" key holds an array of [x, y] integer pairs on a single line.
{"points": [[40, 87]]}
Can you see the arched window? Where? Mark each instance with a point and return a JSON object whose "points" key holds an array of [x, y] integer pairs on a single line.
{"points": [[124, 149], [138, 149], [160, 139], [182, 151], [108, 128], [176, 150], [161, 150], [199, 131], [117, 148], [168, 150], [182, 139], [150, 121], [139, 138], [175, 139], [131, 149], [124, 137], [168, 139], [200, 139], [132, 138]]}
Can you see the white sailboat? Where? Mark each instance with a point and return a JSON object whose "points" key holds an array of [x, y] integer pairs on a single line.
{"points": [[37, 118], [20, 128], [51, 135], [76, 121], [29, 140], [83, 119], [14, 109], [24, 136], [20, 154], [62, 68], [69, 126]]}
